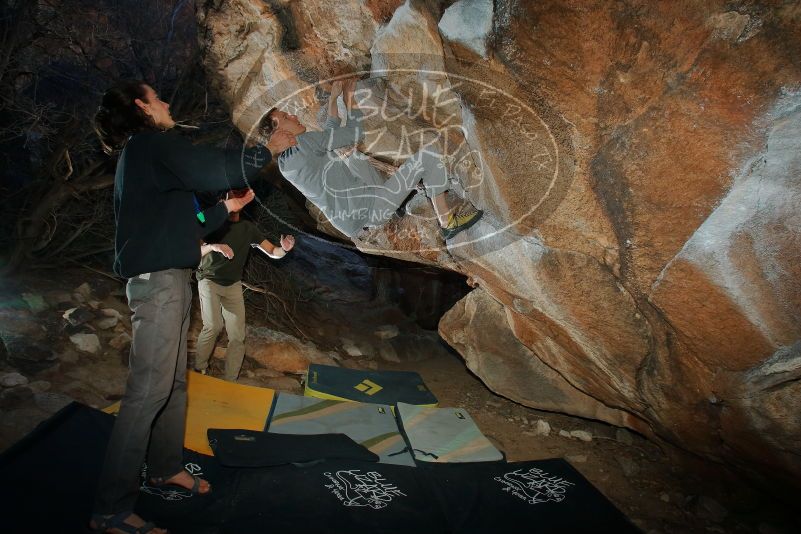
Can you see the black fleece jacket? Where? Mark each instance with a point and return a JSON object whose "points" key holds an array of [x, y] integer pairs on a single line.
{"points": [[154, 204]]}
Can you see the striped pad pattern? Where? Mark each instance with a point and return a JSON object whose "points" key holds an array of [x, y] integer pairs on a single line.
{"points": [[445, 435], [370, 425]]}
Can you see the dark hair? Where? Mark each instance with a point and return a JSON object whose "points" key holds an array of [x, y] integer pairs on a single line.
{"points": [[266, 125], [118, 116]]}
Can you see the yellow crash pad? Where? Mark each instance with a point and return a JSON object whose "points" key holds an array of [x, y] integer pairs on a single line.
{"points": [[215, 403]]}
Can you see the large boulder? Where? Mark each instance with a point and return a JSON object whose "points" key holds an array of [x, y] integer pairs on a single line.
{"points": [[639, 165], [479, 327]]}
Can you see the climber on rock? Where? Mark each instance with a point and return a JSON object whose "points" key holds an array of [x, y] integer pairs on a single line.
{"points": [[349, 191]]}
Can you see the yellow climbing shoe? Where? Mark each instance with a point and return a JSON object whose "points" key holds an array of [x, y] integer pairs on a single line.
{"points": [[461, 220]]}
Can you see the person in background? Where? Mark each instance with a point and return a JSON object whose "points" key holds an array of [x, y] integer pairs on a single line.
{"points": [[156, 247], [220, 288]]}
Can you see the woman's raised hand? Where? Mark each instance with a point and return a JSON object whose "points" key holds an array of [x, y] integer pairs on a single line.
{"points": [[223, 249], [236, 204]]}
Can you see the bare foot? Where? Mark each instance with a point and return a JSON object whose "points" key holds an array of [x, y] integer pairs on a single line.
{"points": [[185, 480], [134, 520]]}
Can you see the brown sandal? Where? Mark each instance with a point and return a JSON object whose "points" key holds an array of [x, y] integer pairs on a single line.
{"points": [[158, 482]]}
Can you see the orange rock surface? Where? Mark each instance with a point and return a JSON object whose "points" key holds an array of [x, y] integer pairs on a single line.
{"points": [[639, 165]]}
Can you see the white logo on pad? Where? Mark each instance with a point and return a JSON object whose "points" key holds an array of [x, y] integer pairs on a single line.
{"points": [[535, 485], [354, 488]]}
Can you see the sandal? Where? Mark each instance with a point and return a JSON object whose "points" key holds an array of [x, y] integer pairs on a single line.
{"points": [[158, 482], [104, 523]]}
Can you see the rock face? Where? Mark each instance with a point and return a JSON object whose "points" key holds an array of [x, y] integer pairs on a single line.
{"points": [[480, 329], [639, 165]]}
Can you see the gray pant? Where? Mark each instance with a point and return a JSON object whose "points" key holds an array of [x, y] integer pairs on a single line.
{"points": [[221, 305], [387, 196], [152, 412]]}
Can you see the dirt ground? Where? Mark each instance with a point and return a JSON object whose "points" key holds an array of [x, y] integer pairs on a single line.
{"points": [[660, 488]]}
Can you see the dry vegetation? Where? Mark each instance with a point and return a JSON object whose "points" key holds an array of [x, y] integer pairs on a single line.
{"points": [[56, 59]]}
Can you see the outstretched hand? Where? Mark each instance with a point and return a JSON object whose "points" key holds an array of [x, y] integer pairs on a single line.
{"points": [[236, 204], [223, 249], [287, 242], [280, 140], [336, 88]]}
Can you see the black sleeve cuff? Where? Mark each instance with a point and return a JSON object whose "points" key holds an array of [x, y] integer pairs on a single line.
{"points": [[215, 218]]}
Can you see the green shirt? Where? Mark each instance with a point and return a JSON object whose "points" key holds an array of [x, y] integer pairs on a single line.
{"points": [[219, 269]]}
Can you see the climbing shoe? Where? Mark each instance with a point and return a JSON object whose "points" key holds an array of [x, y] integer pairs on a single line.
{"points": [[401, 211], [461, 220]]}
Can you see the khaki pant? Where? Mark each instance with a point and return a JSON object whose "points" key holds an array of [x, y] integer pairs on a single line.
{"points": [[150, 424], [221, 305], [381, 198]]}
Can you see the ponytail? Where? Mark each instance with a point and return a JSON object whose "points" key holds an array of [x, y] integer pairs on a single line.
{"points": [[118, 117]]}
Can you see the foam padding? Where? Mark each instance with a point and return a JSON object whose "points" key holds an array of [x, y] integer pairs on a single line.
{"points": [[47, 484], [371, 425], [248, 448], [374, 387], [445, 435], [48, 479], [534, 496], [333, 497], [215, 403]]}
